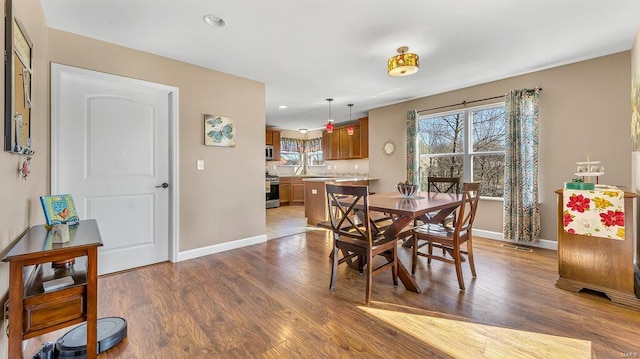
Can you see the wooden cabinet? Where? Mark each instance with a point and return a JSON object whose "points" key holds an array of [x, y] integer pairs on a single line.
{"points": [[291, 190], [272, 138], [285, 190], [601, 264], [315, 203], [297, 191], [339, 145], [34, 260]]}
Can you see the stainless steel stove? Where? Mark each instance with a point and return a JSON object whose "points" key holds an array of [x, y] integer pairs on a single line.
{"points": [[272, 188]]}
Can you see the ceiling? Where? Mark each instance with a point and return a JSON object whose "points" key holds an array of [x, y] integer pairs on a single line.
{"points": [[308, 50]]}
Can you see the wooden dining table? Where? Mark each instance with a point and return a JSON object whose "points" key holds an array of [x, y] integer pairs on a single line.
{"points": [[403, 211]]}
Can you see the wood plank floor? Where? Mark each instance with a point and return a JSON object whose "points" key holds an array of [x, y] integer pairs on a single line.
{"points": [[272, 300]]}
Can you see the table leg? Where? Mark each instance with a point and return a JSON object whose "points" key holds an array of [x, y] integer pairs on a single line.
{"points": [[399, 223], [92, 299]]}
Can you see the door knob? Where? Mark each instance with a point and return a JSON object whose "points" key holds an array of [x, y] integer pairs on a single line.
{"points": [[164, 185]]}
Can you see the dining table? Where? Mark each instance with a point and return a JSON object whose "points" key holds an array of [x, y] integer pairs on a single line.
{"points": [[402, 211]]}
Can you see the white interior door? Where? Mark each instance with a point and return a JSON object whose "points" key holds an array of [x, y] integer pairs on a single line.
{"points": [[110, 151]]}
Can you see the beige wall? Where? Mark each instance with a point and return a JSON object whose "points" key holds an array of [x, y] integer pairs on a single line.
{"points": [[635, 55], [225, 202], [21, 207], [583, 107]]}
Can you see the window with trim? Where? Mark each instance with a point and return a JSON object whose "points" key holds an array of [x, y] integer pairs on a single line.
{"points": [[290, 158], [298, 152], [468, 143]]}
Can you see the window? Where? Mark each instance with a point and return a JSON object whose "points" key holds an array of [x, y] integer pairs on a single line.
{"points": [[315, 159], [466, 143], [288, 158]]}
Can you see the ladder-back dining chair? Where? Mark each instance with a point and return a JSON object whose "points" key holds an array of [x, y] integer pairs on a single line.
{"points": [[450, 239], [356, 236], [444, 185]]}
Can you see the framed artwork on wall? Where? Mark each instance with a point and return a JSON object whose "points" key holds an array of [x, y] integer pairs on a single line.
{"points": [[18, 71], [219, 131]]}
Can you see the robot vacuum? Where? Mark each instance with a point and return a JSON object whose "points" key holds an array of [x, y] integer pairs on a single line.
{"points": [[73, 344]]}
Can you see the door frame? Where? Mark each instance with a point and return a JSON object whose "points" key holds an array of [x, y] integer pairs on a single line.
{"points": [[173, 95]]}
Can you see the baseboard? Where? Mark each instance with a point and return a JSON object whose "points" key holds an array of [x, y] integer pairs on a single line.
{"points": [[544, 243], [222, 247]]}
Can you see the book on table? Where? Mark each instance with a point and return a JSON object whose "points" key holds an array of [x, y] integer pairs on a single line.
{"points": [[59, 209]]}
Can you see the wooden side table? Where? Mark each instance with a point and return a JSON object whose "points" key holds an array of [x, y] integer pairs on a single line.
{"points": [[34, 311], [600, 264]]}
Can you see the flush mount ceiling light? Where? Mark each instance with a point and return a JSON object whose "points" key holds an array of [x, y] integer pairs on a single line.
{"points": [[330, 124], [213, 20], [282, 106], [303, 131], [404, 64]]}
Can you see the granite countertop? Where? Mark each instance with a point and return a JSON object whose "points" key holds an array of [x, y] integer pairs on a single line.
{"points": [[341, 179]]}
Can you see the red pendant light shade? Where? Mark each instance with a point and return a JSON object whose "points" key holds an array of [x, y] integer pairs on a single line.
{"points": [[350, 128], [329, 127], [330, 124]]}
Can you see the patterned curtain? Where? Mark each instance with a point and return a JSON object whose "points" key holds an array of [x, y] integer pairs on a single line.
{"points": [[521, 207], [413, 160], [298, 145]]}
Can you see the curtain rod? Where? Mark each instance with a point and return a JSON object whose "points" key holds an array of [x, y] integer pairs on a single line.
{"points": [[464, 103]]}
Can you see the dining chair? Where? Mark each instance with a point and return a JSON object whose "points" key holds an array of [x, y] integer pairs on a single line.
{"points": [[356, 235], [444, 185], [450, 239]]}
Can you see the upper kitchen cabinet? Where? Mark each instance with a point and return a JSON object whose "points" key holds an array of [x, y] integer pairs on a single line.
{"points": [[339, 145], [273, 139]]}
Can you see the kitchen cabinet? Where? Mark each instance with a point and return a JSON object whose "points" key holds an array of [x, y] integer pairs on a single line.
{"points": [[272, 138], [297, 191], [35, 310], [339, 145], [315, 205], [285, 190]]}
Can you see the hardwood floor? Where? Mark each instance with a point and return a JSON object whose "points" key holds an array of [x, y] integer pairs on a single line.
{"points": [[272, 300]]}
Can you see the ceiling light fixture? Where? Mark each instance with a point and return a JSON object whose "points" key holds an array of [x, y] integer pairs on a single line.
{"points": [[213, 20], [330, 124], [303, 131], [282, 106], [404, 64], [350, 128]]}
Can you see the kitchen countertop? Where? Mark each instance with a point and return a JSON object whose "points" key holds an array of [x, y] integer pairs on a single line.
{"points": [[340, 179]]}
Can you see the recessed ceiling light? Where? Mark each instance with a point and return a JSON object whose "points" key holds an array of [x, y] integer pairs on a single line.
{"points": [[213, 20], [282, 106]]}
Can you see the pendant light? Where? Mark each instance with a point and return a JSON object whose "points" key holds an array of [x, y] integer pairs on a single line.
{"points": [[330, 124], [404, 64], [350, 128]]}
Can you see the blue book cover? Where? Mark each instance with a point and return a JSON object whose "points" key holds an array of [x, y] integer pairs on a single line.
{"points": [[59, 209]]}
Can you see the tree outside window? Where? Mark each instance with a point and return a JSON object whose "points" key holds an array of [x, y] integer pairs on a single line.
{"points": [[466, 143]]}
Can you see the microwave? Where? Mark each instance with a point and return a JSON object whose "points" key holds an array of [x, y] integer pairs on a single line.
{"points": [[269, 152]]}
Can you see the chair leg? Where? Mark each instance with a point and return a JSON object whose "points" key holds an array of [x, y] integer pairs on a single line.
{"points": [[414, 254], [470, 257], [430, 251], [369, 279], [458, 262], [394, 269], [334, 267]]}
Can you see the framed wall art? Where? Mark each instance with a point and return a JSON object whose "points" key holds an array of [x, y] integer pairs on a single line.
{"points": [[219, 131], [18, 73]]}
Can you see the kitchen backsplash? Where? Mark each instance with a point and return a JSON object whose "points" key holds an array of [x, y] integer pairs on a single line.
{"points": [[331, 168]]}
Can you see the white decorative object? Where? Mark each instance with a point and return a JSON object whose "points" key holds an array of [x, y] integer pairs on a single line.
{"points": [[60, 233], [589, 169]]}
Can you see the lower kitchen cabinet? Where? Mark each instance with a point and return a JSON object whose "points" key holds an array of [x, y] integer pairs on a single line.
{"points": [[297, 191], [285, 190]]}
